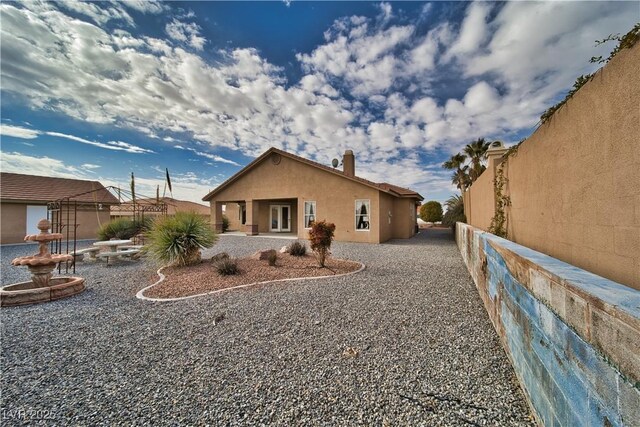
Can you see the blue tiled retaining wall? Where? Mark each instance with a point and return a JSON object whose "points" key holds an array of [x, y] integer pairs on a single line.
{"points": [[573, 337]]}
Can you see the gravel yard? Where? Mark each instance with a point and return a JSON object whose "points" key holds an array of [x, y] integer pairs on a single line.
{"points": [[405, 342]]}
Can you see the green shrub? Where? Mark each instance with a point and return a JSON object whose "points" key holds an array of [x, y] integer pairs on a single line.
{"points": [[297, 249], [219, 257], [431, 211], [455, 212], [273, 258], [225, 223], [177, 240], [321, 236], [227, 267], [123, 228]]}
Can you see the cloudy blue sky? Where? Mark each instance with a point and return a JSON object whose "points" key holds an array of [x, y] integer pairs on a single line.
{"points": [[97, 90]]}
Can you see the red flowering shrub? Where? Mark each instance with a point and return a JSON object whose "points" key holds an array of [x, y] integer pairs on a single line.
{"points": [[320, 236]]}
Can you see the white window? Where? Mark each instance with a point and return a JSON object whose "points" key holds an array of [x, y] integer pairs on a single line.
{"points": [[309, 213], [363, 209]]}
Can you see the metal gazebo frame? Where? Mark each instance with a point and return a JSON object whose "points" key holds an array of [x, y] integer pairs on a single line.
{"points": [[63, 215]]}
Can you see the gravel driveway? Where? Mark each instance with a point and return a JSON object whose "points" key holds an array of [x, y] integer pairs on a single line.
{"points": [[426, 351]]}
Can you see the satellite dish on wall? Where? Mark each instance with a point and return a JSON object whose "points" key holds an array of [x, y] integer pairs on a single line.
{"points": [[334, 163]]}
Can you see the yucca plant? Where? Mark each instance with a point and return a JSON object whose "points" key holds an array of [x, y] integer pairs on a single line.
{"points": [[177, 239]]}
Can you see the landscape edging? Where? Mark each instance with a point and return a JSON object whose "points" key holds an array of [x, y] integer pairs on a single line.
{"points": [[140, 294]]}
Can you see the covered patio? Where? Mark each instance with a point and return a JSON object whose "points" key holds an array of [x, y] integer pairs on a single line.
{"points": [[264, 217]]}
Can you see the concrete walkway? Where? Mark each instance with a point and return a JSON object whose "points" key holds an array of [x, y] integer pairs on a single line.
{"points": [[405, 342]]}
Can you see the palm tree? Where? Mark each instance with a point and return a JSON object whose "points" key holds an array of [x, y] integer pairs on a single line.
{"points": [[477, 152], [455, 162], [460, 177], [455, 211], [453, 202]]}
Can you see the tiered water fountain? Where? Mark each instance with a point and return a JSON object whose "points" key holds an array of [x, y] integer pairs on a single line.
{"points": [[42, 287]]}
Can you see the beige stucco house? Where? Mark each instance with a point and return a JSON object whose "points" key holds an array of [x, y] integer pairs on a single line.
{"points": [[283, 193], [24, 198]]}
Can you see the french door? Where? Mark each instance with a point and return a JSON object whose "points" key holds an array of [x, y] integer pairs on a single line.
{"points": [[280, 218]]}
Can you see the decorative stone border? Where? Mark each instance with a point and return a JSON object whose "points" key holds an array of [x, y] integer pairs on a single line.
{"points": [[23, 293], [140, 294]]}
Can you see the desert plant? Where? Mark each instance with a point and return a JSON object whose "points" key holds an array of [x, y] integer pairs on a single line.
{"points": [[123, 228], [321, 236], [273, 258], [225, 223], [297, 248], [227, 267], [178, 239], [431, 211], [219, 257], [455, 211]]}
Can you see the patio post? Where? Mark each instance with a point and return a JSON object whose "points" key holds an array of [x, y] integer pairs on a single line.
{"points": [[216, 216], [251, 226]]}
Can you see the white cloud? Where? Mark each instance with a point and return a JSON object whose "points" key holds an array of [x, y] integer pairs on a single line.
{"points": [[43, 166], [100, 15], [474, 29], [371, 86], [111, 145], [146, 6], [18, 132], [89, 166], [188, 33]]}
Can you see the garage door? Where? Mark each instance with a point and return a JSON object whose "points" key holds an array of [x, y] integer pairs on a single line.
{"points": [[35, 214]]}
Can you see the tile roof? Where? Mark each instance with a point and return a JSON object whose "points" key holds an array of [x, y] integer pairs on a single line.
{"points": [[173, 206], [387, 188], [15, 186]]}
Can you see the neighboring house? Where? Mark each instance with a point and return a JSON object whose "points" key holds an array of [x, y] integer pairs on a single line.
{"points": [[283, 193], [153, 208], [24, 198]]}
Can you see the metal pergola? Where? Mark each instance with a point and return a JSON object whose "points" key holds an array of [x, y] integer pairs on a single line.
{"points": [[63, 215]]}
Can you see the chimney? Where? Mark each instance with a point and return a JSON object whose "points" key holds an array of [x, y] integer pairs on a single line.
{"points": [[349, 163]]}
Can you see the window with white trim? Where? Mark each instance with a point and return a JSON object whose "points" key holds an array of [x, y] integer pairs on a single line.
{"points": [[363, 217], [309, 213]]}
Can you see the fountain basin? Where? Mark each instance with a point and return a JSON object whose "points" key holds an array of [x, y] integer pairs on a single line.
{"points": [[30, 293]]}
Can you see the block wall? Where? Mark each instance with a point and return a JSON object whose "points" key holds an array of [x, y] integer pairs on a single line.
{"points": [[573, 337]]}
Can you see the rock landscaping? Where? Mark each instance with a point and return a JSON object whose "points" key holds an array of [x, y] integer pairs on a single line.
{"points": [[405, 342], [203, 278]]}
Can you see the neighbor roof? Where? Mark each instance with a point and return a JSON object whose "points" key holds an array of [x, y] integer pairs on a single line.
{"points": [[384, 187], [173, 206], [15, 186]]}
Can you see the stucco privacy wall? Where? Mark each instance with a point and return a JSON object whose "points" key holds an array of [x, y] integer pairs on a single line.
{"points": [[573, 337], [575, 183]]}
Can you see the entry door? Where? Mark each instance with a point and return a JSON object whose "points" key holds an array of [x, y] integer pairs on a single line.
{"points": [[280, 218]]}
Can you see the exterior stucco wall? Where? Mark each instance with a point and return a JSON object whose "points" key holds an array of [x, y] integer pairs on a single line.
{"points": [[386, 227], [13, 222], [233, 213], [574, 183], [334, 196], [404, 218], [573, 338], [480, 201]]}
